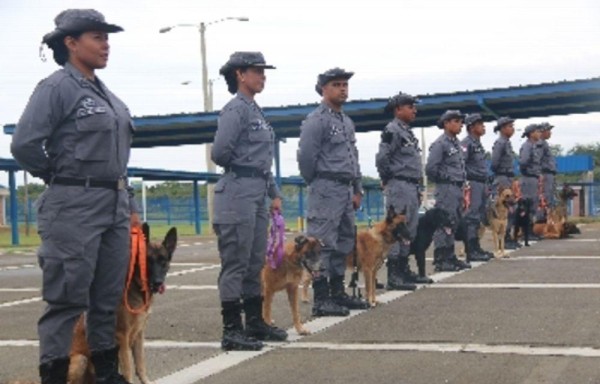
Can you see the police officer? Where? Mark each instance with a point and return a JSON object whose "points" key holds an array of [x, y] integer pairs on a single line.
{"points": [[530, 165], [75, 134], [328, 161], [502, 166], [548, 162], [446, 168], [477, 176], [399, 165], [244, 147]]}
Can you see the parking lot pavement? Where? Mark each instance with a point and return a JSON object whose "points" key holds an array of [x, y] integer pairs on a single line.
{"points": [[531, 318]]}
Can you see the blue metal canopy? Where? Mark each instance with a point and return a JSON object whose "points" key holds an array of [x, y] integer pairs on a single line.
{"points": [[549, 99]]}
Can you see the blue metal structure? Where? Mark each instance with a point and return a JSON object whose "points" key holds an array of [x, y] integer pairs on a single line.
{"points": [[548, 99]]}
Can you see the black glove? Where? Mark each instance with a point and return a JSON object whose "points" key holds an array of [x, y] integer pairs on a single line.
{"points": [[387, 136]]}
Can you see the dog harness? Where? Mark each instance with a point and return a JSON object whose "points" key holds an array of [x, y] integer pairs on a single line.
{"points": [[276, 240]]}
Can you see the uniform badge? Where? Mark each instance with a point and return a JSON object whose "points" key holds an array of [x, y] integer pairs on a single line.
{"points": [[89, 107]]}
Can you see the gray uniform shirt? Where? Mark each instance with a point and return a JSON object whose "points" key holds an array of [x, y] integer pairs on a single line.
{"points": [[73, 127], [530, 157], [445, 161], [475, 164], [548, 160], [502, 156], [401, 157], [245, 139], [328, 144]]}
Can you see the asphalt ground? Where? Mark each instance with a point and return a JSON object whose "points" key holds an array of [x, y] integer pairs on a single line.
{"points": [[530, 318]]}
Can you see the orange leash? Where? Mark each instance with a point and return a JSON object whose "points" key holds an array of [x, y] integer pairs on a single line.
{"points": [[138, 256], [466, 197]]}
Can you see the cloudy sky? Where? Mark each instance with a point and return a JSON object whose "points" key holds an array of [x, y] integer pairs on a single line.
{"points": [[424, 46]]}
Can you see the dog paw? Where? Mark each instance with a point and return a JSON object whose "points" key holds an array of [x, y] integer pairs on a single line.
{"points": [[303, 331]]}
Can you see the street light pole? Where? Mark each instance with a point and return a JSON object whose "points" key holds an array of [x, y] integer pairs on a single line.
{"points": [[208, 101]]}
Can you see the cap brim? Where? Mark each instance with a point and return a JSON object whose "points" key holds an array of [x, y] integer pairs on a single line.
{"points": [[265, 66], [88, 26]]}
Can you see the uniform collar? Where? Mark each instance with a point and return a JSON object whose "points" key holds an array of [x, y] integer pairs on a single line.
{"points": [[330, 110], [401, 123], [97, 86], [474, 138], [244, 98], [450, 138]]}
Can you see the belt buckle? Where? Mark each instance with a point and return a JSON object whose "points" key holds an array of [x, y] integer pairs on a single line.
{"points": [[120, 184]]}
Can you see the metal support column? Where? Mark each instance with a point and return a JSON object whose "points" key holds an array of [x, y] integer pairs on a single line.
{"points": [[14, 208], [197, 217]]}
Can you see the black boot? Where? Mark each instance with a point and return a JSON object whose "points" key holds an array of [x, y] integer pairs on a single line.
{"points": [[451, 257], [340, 297], [473, 253], [442, 264], [55, 371], [411, 277], [106, 365], [489, 255], [234, 338], [395, 276], [323, 304], [256, 326]]}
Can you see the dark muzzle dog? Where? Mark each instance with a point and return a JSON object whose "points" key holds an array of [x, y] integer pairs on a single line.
{"points": [[434, 219]]}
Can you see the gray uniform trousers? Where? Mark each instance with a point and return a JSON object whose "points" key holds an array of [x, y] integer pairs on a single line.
{"points": [[529, 189], [241, 223], [84, 255], [549, 188], [476, 212], [403, 195], [331, 218], [449, 197]]}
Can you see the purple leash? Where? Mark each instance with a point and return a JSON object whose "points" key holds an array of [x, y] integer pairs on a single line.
{"points": [[276, 240]]}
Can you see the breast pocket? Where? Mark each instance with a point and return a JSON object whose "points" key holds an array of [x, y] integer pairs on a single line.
{"points": [[262, 135], [95, 140]]}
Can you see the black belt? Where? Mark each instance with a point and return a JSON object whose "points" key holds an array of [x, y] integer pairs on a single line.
{"points": [[479, 179], [116, 185], [547, 171], [412, 180], [335, 177], [455, 183], [248, 172], [506, 174], [529, 175]]}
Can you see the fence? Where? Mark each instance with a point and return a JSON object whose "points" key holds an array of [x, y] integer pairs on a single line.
{"points": [[173, 211]]}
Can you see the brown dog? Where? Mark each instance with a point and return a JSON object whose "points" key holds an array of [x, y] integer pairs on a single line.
{"points": [[303, 254], [373, 245], [130, 326], [497, 215]]}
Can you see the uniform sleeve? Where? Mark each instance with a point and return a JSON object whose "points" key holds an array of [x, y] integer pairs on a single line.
{"points": [[497, 151], [229, 127], [42, 113], [309, 147], [357, 184], [524, 156], [436, 155], [382, 161]]}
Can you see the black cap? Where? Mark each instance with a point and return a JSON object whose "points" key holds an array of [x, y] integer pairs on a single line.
{"points": [[473, 118], [449, 114], [545, 126], [330, 74], [399, 100], [78, 20], [244, 60], [502, 122], [531, 128]]}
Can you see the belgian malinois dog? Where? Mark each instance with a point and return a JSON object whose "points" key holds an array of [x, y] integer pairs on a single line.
{"points": [[302, 254], [130, 326], [497, 217], [373, 245]]}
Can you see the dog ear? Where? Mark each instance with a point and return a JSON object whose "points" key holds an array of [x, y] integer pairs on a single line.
{"points": [[170, 241], [146, 231], [300, 241], [390, 214], [403, 213]]}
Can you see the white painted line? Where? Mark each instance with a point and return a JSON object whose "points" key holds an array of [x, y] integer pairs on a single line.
{"points": [[15, 267], [454, 347], [189, 264], [192, 270], [181, 344], [551, 257], [198, 243], [184, 245], [516, 286], [19, 343], [581, 240], [19, 302], [193, 287], [19, 289], [206, 368]]}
